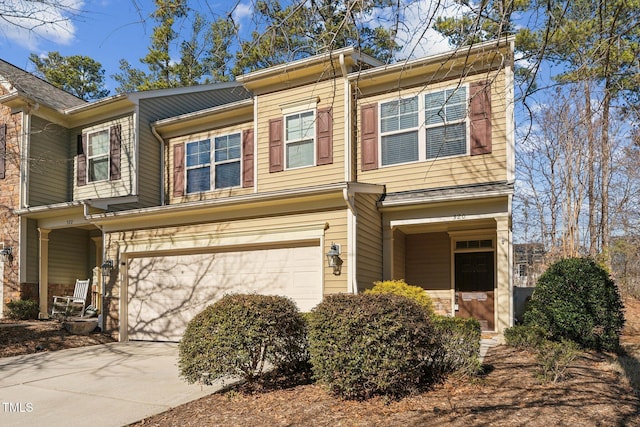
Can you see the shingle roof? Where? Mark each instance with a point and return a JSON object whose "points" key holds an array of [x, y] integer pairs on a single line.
{"points": [[37, 89]]}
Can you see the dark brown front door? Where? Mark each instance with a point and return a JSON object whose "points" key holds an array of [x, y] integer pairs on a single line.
{"points": [[474, 279]]}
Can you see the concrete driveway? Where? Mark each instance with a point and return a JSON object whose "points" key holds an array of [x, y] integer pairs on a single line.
{"points": [[104, 385]]}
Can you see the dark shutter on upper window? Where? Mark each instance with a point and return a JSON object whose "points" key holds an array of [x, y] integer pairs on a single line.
{"points": [[178, 170], [114, 152], [81, 159], [276, 145], [480, 117], [3, 149], [369, 132], [324, 134], [247, 158]]}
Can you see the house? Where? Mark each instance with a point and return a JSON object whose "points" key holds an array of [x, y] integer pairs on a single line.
{"points": [[400, 171]]}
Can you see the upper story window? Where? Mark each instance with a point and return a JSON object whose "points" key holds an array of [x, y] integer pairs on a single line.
{"points": [[217, 168], [446, 127], [300, 139], [98, 156], [454, 121]]}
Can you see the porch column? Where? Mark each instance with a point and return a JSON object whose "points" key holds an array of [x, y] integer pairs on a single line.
{"points": [[503, 273], [43, 279], [387, 252], [96, 283]]}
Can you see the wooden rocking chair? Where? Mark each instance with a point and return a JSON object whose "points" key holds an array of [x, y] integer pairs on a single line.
{"points": [[65, 306]]}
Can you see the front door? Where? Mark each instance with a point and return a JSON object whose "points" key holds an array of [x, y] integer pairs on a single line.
{"points": [[474, 281]]}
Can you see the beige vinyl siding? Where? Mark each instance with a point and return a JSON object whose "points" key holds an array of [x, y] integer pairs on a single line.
{"points": [[72, 256], [399, 251], [428, 259], [213, 193], [368, 241], [211, 232], [50, 163], [126, 185], [33, 252], [453, 171], [331, 94]]}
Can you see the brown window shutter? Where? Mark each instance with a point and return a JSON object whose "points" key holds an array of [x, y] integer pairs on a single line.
{"points": [[81, 178], [324, 135], [480, 117], [3, 149], [114, 152], [178, 170], [276, 145], [369, 131], [247, 158]]}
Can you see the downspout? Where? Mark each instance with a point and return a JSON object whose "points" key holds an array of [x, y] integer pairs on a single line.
{"points": [[155, 133], [347, 194]]}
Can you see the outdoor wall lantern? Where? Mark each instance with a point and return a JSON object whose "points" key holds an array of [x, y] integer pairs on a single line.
{"points": [[106, 267], [333, 258], [6, 254]]}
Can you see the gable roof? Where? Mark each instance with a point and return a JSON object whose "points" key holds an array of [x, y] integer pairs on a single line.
{"points": [[20, 82]]}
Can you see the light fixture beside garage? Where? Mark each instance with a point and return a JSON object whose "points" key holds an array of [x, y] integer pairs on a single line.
{"points": [[333, 258], [106, 267], [6, 254]]}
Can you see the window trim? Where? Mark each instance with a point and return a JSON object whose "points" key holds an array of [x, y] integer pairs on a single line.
{"points": [[91, 158], [212, 163], [286, 141], [422, 126]]}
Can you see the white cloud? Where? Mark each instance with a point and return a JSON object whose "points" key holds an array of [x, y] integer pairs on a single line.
{"points": [[416, 34], [242, 11], [28, 22]]}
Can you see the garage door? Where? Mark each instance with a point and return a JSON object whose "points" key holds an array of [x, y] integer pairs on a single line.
{"points": [[165, 292]]}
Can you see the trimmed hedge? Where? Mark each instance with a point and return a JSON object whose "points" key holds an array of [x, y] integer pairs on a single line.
{"points": [[400, 287], [458, 348], [575, 299], [524, 336], [370, 344], [23, 309], [241, 335]]}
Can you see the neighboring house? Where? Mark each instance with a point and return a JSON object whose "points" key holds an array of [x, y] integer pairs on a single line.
{"points": [[529, 263], [405, 171]]}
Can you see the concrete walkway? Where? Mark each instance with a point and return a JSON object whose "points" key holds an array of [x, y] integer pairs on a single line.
{"points": [[98, 386]]}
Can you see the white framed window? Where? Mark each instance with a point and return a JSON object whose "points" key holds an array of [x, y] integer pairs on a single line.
{"points": [[445, 122], [215, 167], [424, 127], [98, 156], [300, 136], [399, 122]]}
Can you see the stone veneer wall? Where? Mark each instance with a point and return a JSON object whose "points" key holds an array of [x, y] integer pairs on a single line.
{"points": [[10, 200]]}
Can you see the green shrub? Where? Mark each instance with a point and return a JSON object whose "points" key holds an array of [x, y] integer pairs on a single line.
{"points": [[240, 335], [524, 336], [400, 287], [575, 299], [458, 346], [370, 344], [554, 358], [23, 309]]}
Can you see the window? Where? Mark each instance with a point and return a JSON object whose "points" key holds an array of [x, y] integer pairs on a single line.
{"points": [[399, 131], [224, 161], [424, 127], [98, 156], [299, 139], [198, 166], [446, 128]]}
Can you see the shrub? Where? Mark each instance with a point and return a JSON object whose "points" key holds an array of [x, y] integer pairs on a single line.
{"points": [[400, 287], [240, 335], [575, 299], [524, 336], [23, 309], [458, 346], [370, 344], [555, 358]]}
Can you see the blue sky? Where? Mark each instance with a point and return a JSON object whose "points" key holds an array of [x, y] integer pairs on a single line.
{"points": [[111, 30]]}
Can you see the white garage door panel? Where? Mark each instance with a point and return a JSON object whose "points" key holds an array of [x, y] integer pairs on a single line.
{"points": [[165, 292]]}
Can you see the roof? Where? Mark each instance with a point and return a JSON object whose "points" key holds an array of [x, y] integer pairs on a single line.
{"points": [[40, 91], [460, 192]]}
